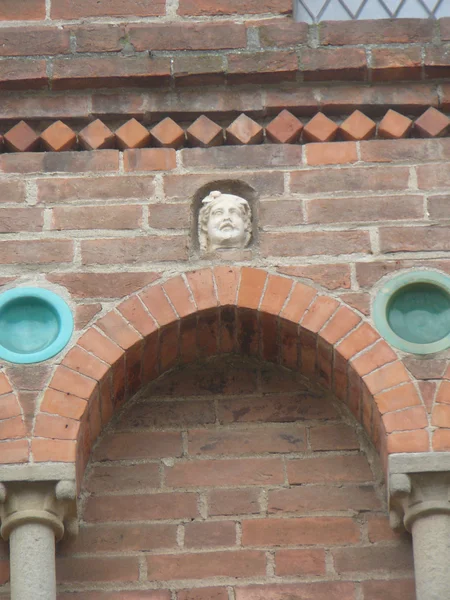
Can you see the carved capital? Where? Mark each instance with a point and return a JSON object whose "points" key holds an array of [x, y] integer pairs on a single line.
{"points": [[419, 485], [38, 495]]}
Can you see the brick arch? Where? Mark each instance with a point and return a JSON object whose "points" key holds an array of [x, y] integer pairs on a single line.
{"points": [[14, 445], [221, 310]]}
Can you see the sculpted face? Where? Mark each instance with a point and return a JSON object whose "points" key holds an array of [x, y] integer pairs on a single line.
{"points": [[224, 222]]}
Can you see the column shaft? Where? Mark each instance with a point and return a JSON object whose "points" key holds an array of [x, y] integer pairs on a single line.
{"points": [[32, 557], [431, 543]]}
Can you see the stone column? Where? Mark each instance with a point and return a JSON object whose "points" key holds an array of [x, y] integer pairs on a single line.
{"points": [[419, 501], [35, 515]]}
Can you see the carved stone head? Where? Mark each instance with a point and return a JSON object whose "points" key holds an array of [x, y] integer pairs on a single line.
{"points": [[224, 221]]}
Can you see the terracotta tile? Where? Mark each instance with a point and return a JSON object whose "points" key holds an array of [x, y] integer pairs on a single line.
{"points": [[320, 129], [58, 137], [21, 138], [167, 134], [132, 135], [243, 131], [284, 129], [394, 125], [432, 123], [96, 136], [205, 133], [357, 127]]}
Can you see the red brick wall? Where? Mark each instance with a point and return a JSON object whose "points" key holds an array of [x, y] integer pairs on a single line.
{"points": [[234, 479]]}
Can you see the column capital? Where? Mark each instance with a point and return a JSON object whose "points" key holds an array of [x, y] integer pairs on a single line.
{"points": [[45, 495], [418, 486]]}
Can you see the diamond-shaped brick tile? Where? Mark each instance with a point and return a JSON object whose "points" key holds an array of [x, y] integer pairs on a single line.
{"points": [[284, 129], [132, 135], [168, 134], [244, 130], [432, 123], [205, 133], [320, 129], [96, 136], [21, 138], [357, 127], [58, 137], [394, 125]]}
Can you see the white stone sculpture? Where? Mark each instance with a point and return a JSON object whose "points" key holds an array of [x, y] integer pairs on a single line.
{"points": [[224, 221]]}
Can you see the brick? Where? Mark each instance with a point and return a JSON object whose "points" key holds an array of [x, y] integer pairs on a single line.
{"points": [[432, 123], [377, 356], [233, 472], [134, 312], [173, 505], [251, 287], [45, 450], [58, 137], [149, 159], [106, 478], [118, 330], [341, 323], [309, 499], [81, 361], [97, 569], [260, 67], [352, 180], [298, 591], [357, 127], [408, 441], [386, 377], [338, 64], [139, 444], [389, 589], [373, 558], [405, 420], [142, 595], [241, 563], [14, 191], [414, 239], [437, 61], [333, 437], [281, 33], [96, 217], [17, 41], [31, 10], [359, 339], [394, 125], [258, 441], [320, 129], [358, 300], [279, 213], [203, 594], [284, 129], [21, 138], [432, 176], [204, 7], [233, 502], [158, 305], [12, 428], [179, 296], [318, 313], [274, 409], [243, 131], [400, 150], [300, 562], [201, 534], [98, 38], [190, 70], [405, 31], [205, 133], [352, 468], [300, 531], [336, 153], [227, 280], [388, 64], [102, 285], [56, 427], [443, 396], [226, 157], [300, 299], [168, 134], [96, 136], [63, 404], [438, 207], [121, 538], [60, 190], [9, 407], [178, 187], [275, 295], [66, 380], [64, 162], [111, 71], [36, 251], [64, 9], [23, 74], [13, 220], [314, 243], [169, 414], [132, 135], [13, 452], [169, 216], [187, 36], [133, 250]]}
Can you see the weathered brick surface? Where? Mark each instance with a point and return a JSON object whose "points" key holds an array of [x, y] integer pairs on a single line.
{"points": [[206, 507]]}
